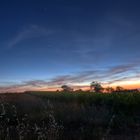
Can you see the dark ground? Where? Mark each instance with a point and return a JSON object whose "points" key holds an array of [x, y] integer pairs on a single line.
{"points": [[69, 116]]}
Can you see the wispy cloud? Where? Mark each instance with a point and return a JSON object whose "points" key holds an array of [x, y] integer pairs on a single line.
{"points": [[29, 32], [82, 79], [122, 68]]}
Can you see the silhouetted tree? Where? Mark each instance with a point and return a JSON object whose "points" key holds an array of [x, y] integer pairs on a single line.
{"points": [[66, 88], [79, 90], [96, 87], [109, 89], [119, 89]]}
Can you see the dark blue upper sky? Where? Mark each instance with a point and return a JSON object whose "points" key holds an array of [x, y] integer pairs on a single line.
{"points": [[61, 40]]}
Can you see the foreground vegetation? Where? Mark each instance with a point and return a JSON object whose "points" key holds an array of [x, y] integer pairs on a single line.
{"points": [[69, 116]]}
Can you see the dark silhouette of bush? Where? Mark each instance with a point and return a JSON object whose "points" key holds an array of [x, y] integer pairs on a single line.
{"points": [[66, 88], [96, 87]]}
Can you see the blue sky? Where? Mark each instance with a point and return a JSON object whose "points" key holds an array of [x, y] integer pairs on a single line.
{"points": [[56, 40]]}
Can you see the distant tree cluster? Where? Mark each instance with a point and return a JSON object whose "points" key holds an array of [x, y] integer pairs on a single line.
{"points": [[66, 88], [96, 87], [110, 89]]}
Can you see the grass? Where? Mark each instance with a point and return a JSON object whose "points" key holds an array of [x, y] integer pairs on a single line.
{"points": [[69, 116]]}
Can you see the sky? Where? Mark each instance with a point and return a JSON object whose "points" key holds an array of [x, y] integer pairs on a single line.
{"points": [[47, 43]]}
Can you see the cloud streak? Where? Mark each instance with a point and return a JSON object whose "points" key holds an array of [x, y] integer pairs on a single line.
{"points": [[32, 31], [82, 79]]}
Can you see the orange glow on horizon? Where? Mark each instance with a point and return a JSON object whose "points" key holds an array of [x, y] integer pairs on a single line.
{"points": [[86, 87], [124, 84]]}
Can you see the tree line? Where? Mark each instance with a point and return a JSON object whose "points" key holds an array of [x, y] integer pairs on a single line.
{"points": [[98, 88]]}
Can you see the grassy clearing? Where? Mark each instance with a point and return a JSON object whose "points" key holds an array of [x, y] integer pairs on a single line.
{"points": [[57, 115]]}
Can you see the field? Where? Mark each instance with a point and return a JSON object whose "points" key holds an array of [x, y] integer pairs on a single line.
{"points": [[69, 116]]}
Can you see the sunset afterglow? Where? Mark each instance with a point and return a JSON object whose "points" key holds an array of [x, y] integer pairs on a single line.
{"points": [[45, 46]]}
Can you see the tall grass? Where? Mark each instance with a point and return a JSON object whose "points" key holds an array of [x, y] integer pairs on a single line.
{"points": [[76, 116]]}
